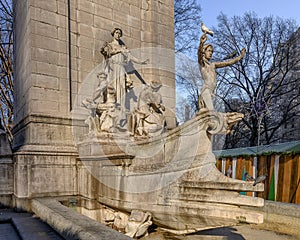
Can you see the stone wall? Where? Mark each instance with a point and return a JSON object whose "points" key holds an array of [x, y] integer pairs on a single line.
{"points": [[42, 47], [43, 142], [6, 170]]}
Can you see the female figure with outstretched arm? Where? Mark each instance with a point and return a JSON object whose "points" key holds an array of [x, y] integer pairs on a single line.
{"points": [[117, 56]]}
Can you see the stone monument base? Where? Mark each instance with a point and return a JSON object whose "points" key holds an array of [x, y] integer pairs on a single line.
{"points": [[172, 176]]}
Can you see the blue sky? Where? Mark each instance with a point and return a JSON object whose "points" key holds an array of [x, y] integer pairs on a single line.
{"points": [[285, 9]]}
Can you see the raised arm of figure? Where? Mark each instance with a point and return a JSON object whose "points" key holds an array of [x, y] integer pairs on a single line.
{"points": [[203, 39], [232, 61]]}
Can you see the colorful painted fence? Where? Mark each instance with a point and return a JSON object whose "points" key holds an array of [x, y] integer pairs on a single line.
{"points": [[281, 162]]}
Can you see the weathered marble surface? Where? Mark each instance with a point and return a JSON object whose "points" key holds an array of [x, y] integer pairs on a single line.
{"points": [[208, 69], [71, 224], [173, 176], [6, 169], [44, 151]]}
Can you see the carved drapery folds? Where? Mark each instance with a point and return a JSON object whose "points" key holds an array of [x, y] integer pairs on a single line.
{"points": [[108, 110]]}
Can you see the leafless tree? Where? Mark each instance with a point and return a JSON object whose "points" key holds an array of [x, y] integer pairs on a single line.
{"points": [[183, 111], [187, 25], [188, 85], [187, 14], [264, 85], [6, 68]]}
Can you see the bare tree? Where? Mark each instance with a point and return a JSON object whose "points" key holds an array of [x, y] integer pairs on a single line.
{"points": [[188, 84], [6, 68], [183, 111], [187, 14], [187, 25], [263, 84]]}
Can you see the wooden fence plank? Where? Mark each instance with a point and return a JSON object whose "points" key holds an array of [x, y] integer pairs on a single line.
{"points": [[270, 166], [239, 170], [219, 164], [286, 179], [262, 166], [297, 200], [294, 179], [280, 179]]}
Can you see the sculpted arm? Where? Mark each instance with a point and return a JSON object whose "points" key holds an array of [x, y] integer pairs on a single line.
{"points": [[200, 49], [105, 50], [232, 61], [136, 60]]}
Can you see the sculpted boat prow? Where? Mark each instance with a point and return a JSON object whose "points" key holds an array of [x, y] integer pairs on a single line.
{"points": [[178, 183], [170, 174]]}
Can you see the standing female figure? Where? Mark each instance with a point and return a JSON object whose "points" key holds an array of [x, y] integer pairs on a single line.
{"points": [[117, 56]]}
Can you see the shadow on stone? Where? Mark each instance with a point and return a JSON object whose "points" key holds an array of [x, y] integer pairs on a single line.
{"points": [[229, 232]]}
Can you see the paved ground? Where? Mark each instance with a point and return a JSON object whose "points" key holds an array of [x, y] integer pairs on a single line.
{"points": [[242, 232], [8, 232], [24, 226], [247, 232]]}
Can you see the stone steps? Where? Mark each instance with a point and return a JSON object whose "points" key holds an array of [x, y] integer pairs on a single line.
{"points": [[236, 200], [25, 226], [218, 212], [230, 184], [8, 232], [214, 192]]}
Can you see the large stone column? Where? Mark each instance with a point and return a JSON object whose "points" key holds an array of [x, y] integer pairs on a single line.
{"points": [[57, 45]]}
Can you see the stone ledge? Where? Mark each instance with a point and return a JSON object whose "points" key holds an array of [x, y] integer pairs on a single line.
{"points": [[71, 224], [48, 150], [280, 208], [280, 217], [48, 119], [288, 209], [160, 236], [26, 226]]}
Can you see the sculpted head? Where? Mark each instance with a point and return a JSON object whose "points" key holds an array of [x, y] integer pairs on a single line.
{"points": [[102, 76], [117, 33], [155, 85], [208, 50]]}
